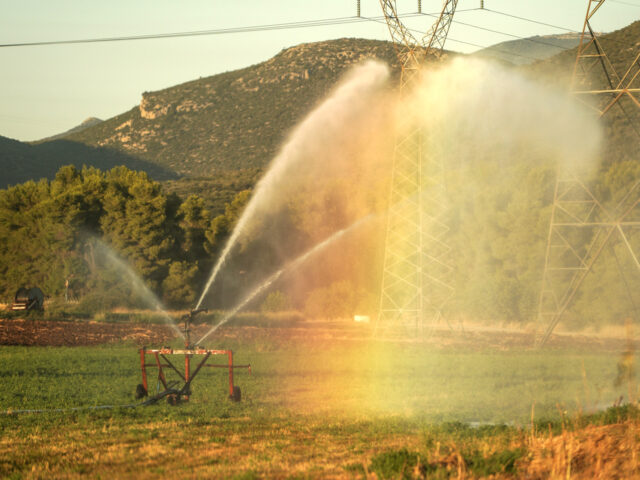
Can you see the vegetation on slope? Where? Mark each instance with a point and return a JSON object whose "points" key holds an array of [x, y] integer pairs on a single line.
{"points": [[527, 50], [234, 120], [49, 233], [21, 162], [89, 122], [622, 122], [49, 230], [251, 111]]}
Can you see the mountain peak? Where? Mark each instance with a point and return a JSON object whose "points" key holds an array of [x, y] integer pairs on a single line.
{"points": [[86, 123]]}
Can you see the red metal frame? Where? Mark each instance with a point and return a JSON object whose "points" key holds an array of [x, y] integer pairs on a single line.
{"points": [[161, 361]]}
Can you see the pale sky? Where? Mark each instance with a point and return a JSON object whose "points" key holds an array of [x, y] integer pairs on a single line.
{"points": [[45, 90]]}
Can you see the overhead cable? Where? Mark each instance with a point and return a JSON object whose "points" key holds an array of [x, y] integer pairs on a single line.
{"points": [[567, 30], [530, 20], [625, 3], [528, 39], [320, 23], [449, 38], [219, 31]]}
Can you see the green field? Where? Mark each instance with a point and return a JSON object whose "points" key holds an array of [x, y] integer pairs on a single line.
{"points": [[330, 409]]}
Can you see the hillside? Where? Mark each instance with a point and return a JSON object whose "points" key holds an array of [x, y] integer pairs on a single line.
{"points": [[221, 131], [89, 122], [622, 122], [237, 120], [527, 50], [21, 161], [233, 120]]}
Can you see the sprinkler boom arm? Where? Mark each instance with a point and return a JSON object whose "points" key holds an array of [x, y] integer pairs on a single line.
{"points": [[187, 325], [161, 361]]}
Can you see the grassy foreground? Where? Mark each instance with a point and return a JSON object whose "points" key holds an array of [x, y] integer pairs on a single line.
{"points": [[335, 409]]}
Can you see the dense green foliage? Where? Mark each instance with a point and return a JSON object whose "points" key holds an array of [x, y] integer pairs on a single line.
{"points": [[216, 191], [21, 162], [228, 127], [49, 233], [498, 232]]}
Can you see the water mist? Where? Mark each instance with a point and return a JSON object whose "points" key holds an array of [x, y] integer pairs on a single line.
{"points": [[288, 268], [112, 260], [314, 137]]}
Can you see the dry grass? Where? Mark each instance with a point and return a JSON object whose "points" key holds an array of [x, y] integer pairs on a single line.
{"points": [[219, 449], [314, 448], [604, 451]]}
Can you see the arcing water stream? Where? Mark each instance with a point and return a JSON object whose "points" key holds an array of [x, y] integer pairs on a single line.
{"points": [[289, 267], [319, 130], [488, 127], [138, 286]]}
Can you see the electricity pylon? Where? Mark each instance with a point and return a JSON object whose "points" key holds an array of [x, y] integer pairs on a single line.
{"points": [[417, 275], [587, 83], [581, 227]]}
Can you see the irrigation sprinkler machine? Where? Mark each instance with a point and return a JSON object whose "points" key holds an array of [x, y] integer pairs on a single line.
{"points": [[167, 358]]}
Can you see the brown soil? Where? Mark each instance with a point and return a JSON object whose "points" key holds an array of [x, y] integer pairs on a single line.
{"points": [[60, 333], [67, 333]]}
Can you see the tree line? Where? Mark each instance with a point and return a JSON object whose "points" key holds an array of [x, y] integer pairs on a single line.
{"points": [[48, 232]]}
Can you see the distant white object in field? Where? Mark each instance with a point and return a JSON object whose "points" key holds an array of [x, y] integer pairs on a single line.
{"points": [[361, 318]]}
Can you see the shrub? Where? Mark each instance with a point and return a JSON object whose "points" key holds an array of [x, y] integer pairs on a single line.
{"points": [[395, 464]]}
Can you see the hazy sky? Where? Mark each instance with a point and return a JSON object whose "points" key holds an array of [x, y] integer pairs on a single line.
{"points": [[45, 90]]}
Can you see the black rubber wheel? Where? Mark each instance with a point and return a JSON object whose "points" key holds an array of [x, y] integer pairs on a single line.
{"points": [[141, 392], [236, 396]]}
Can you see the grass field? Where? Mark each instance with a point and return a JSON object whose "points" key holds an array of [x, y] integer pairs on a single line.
{"points": [[310, 409]]}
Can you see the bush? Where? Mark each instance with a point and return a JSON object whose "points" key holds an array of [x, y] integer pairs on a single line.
{"points": [[337, 300], [500, 462], [395, 464], [275, 302]]}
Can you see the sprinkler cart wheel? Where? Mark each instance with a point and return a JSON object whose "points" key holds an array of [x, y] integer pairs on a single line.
{"points": [[236, 396], [141, 392], [163, 359]]}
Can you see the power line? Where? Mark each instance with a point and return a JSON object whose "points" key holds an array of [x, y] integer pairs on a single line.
{"points": [[318, 23], [266, 27], [219, 31], [530, 20], [505, 33], [250, 29], [567, 30], [464, 42], [449, 38], [625, 3]]}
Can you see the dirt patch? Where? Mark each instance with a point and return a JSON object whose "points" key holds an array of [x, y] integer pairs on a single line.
{"points": [[312, 334], [59, 333]]}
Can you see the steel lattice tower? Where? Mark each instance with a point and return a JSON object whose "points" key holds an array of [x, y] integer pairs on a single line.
{"points": [[581, 227], [607, 87], [417, 275]]}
